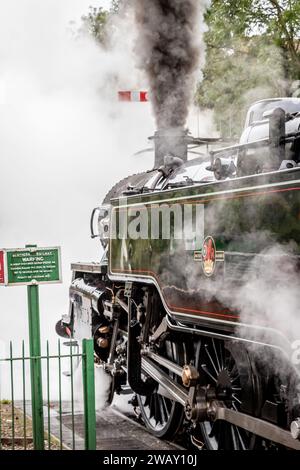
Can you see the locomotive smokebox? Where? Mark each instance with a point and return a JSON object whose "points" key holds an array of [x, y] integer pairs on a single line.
{"points": [[170, 142]]}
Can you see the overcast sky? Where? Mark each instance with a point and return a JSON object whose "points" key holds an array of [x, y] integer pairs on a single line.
{"points": [[64, 141]]}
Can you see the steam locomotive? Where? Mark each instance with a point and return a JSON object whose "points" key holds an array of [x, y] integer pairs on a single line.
{"points": [[165, 310]]}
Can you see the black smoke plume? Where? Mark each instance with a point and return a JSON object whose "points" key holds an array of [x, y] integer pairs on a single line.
{"points": [[169, 49]]}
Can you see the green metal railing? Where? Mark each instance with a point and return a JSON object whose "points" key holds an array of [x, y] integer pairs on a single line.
{"points": [[68, 421]]}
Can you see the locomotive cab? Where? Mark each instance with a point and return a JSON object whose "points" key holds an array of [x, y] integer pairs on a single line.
{"points": [[257, 125]]}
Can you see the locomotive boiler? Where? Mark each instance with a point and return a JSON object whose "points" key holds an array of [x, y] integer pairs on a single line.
{"points": [[172, 306]]}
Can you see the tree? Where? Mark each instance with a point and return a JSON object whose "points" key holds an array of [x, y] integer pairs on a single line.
{"points": [[115, 6], [95, 22], [278, 20], [252, 53]]}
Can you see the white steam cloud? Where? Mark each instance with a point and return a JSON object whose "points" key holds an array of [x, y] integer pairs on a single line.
{"points": [[269, 301], [263, 288], [64, 141]]}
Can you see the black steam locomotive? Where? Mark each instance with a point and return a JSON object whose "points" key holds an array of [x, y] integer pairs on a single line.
{"points": [[173, 316]]}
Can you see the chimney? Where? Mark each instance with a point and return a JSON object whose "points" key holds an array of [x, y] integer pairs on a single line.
{"points": [[170, 142]]}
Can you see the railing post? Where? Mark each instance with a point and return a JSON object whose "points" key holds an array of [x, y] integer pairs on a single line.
{"points": [[89, 393], [35, 366]]}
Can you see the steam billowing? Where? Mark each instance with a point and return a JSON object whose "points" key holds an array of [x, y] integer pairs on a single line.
{"points": [[61, 129], [170, 49]]}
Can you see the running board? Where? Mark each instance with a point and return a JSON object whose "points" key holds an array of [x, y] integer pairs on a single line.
{"points": [[249, 423]]}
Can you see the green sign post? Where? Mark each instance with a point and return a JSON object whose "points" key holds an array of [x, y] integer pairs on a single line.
{"points": [[32, 266]]}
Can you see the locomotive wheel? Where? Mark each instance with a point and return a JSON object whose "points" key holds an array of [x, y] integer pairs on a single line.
{"points": [[228, 367], [163, 416]]}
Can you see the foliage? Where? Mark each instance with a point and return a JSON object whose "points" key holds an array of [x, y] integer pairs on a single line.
{"points": [[96, 21], [115, 6], [5, 402], [278, 20], [252, 53]]}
